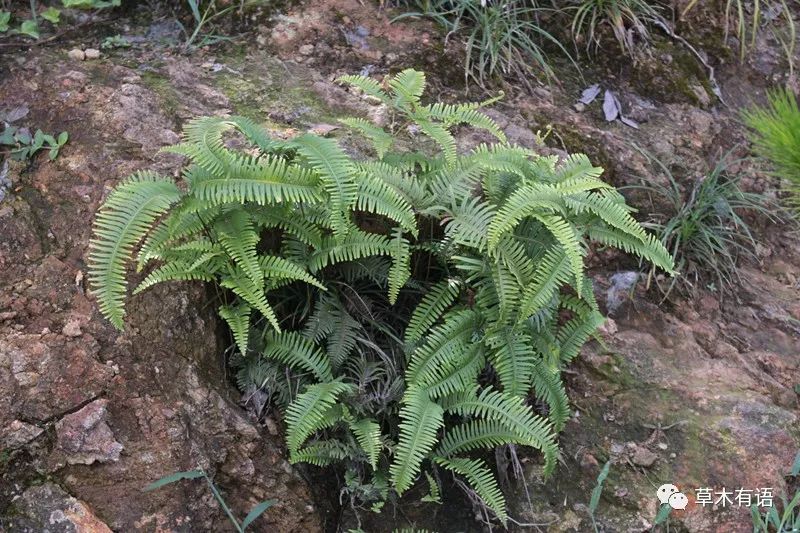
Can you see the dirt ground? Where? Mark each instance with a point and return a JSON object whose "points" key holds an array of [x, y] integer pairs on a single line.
{"points": [[699, 393]]}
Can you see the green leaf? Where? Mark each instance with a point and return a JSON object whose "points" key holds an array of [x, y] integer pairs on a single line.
{"points": [[30, 28], [51, 14], [5, 17], [257, 511], [663, 514], [598, 488], [63, 137], [172, 478], [795, 471]]}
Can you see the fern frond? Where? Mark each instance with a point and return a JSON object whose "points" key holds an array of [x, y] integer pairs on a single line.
{"points": [[441, 136], [239, 238], [465, 114], [568, 237], [380, 139], [512, 413], [238, 319], [291, 349], [442, 344], [306, 414], [175, 271], [344, 330], [407, 87], [548, 386], [420, 421], [264, 181], [610, 209], [524, 202], [476, 435], [552, 272], [513, 359], [400, 272], [482, 481], [275, 267], [355, 245], [252, 293], [322, 453], [431, 308], [368, 85], [575, 333], [375, 196], [651, 249], [336, 173], [123, 220], [469, 223], [368, 435], [459, 374]]}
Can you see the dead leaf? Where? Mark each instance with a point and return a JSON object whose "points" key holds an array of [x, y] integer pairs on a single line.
{"points": [[611, 107], [589, 94]]}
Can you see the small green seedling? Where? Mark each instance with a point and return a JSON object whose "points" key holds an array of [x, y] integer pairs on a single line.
{"points": [[254, 513], [24, 145], [115, 41], [52, 15], [5, 18]]}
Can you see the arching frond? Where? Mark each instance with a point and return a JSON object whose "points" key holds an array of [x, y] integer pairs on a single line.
{"points": [[306, 414], [123, 220], [420, 421], [481, 480]]}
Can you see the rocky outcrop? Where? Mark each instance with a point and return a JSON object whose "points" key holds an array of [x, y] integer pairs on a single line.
{"points": [[97, 412]]}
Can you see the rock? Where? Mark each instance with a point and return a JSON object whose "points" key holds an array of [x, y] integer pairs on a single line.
{"points": [[84, 437], [307, 49], [642, 456], [48, 508], [18, 434], [76, 54], [92, 53], [72, 329]]}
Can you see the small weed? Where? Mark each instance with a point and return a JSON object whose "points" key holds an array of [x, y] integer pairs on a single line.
{"points": [[772, 520], [706, 231], [115, 41], [254, 513], [596, 492], [23, 145]]}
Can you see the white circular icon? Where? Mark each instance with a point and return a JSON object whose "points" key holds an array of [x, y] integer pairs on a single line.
{"points": [[678, 501], [665, 491]]}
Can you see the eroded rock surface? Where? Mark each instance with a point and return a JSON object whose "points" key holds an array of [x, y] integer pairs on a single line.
{"points": [[98, 412]]}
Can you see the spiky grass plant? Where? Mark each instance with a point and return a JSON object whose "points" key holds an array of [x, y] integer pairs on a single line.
{"points": [[503, 38], [775, 133], [625, 18], [705, 228], [412, 300]]}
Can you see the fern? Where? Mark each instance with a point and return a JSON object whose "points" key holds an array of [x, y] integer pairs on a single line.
{"points": [[482, 481], [238, 319], [123, 220], [306, 414], [431, 309], [368, 434], [319, 254], [421, 420]]}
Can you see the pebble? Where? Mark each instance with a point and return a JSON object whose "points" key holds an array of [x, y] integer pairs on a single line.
{"points": [[72, 329], [92, 53], [307, 49], [76, 54]]}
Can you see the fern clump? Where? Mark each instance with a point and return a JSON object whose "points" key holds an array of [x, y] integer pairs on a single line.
{"points": [[402, 308]]}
